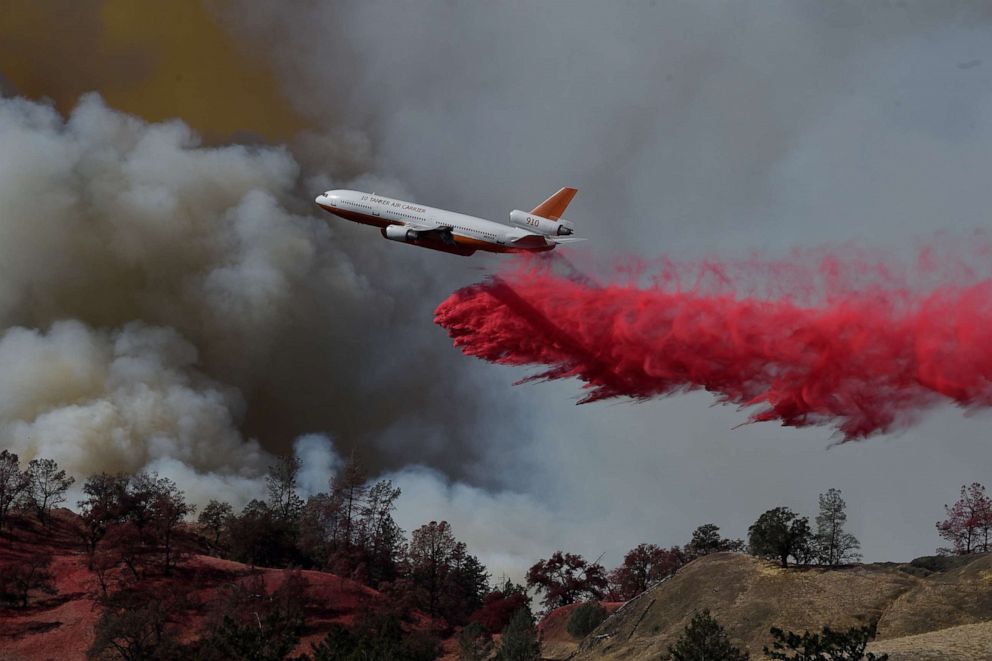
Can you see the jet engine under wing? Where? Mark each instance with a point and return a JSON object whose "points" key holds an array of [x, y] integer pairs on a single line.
{"points": [[440, 233]]}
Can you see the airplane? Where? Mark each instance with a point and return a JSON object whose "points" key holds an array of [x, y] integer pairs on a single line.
{"points": [[540, 230]]}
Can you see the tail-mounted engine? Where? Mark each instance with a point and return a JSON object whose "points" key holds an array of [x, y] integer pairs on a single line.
{"points": [[529, 221]]}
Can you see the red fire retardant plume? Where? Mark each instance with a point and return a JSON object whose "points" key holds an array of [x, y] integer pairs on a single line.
{"points": [[861, 362]]}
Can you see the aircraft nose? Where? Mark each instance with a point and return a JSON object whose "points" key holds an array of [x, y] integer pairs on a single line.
{"points": [[328, 200]]}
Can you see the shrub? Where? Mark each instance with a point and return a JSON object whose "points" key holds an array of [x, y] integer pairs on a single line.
{"points": [[499, 606], [829, 645], [519, 642], [704, 640], [475, 643], [585, 619]]}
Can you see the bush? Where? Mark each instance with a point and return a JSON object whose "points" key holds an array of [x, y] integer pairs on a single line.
{"points": [[376, 637], [941, 563], [585, 619], [475, 643], [704, 640], [519, 642], [828, 645], [499, 606]]}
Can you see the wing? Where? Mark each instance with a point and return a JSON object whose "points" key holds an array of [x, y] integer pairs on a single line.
{"points": [[440, 233]]}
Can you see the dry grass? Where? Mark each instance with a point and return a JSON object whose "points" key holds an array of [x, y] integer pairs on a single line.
{"points": [[968, 642], [749, 596], [556, 642]]}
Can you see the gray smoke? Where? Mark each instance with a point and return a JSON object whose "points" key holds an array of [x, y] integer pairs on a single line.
{"points": [[189, 311], [690, 129], [162, 309]]}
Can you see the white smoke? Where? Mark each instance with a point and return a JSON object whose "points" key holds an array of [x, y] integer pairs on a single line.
{"points": [[318, 463], [143, 283], [507, 530], [117, 401], [161, 308]]}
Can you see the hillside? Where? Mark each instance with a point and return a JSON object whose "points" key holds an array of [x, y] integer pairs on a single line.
{"points": [[61, 626], [556, 642], [921, 614]]}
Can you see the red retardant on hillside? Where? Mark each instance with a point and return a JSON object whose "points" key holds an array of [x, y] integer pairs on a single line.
{"points": [[863, 360]]}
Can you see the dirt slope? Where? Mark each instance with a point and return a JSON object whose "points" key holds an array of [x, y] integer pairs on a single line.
{"points": [[749, 596]]}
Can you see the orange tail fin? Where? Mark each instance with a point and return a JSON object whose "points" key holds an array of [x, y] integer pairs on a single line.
{"points": [[553, 207]]}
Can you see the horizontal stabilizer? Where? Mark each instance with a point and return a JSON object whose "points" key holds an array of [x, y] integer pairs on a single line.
{"points": [[531, 241]]}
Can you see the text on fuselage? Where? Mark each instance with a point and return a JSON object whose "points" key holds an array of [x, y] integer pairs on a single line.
{"points": [[392, 203]]}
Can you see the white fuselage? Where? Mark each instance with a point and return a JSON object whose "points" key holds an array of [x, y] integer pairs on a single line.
{"points": [[432, 228]]}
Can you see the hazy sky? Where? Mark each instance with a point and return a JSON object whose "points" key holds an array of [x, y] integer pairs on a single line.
{"points": [[692, 129], [707, 129]]}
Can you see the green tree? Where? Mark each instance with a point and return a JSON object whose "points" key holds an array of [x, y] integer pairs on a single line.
{"points": [[47, 485], [281, 483], [585, 619], [500, 605], [105, 504], [20, 577], [376, 637], [214, 519], [642, 567], [260, 537], [13, 483], [968, 525], [829, 645], [271, 638], [519, 641], [475, 643], [167, 509], [338, 645], [134, 627], [706, 539], [780, 533], [466, 587], [833, 545], [564, 578], [431, 548], [449, 581], [704, 640], [379, 538], [349, 489], [247, 622]]}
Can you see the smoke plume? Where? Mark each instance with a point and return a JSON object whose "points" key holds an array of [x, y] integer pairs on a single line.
{"points": [[864, 360], [689, 128], [161, 308]]}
